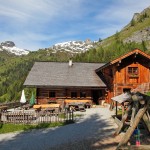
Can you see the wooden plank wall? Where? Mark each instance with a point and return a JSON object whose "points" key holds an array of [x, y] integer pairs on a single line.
{"points": [[43, 96], [120, 79]]}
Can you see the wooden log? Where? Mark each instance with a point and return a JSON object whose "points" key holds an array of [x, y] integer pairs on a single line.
{"points": [[130, 130], [146, 121], [132, 116], [136, 102], [135, 108], [137, 97], [123, 120], [134, 147], [116, 108], [148, 115]]}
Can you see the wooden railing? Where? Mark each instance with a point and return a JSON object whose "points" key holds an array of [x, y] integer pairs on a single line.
{"points": [[23, 117]]}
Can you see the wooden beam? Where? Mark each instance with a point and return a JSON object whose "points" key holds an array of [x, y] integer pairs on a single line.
{"points": [[130, 130], [116, 108], [148, 114], [146, 121], [134, 147], [123, 120], [132, 116]]}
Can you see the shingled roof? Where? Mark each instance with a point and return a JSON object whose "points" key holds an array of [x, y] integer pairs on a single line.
{"points": [[62, 75]]}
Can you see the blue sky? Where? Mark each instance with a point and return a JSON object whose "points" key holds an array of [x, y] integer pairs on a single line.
{"points": [[34, 24]]}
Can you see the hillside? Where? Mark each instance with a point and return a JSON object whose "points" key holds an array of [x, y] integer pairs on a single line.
{"points": [[134, 35], [14, 68]]}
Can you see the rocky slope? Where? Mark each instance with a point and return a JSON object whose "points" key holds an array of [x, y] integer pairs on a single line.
{"points": [[139, 27], [137, 30], [139, 36]]}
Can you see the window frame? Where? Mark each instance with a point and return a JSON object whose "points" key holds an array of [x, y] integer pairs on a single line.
{"points": [[133, 71], [52, 94], [82, 94], [73, 94]]}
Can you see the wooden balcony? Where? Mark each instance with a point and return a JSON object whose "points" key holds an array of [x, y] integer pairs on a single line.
{"points": [[133, 75]]}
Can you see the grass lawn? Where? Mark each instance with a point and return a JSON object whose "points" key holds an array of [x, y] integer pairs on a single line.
{"points": [[6, 128]]}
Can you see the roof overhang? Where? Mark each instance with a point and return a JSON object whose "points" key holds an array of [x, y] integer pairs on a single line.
{"points": [[119, 60], [65, 87]]}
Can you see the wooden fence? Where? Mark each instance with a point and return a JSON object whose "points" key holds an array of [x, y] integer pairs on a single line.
{"points": [[10, 104], [32, 117]]}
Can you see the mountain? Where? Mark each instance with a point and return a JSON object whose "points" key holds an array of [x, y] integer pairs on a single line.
{"points": [[136, 34], [73, 46], [70, 47], [10, 47], [138, 30], [14, 69]]}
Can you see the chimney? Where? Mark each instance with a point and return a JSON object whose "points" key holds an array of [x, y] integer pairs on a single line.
{"points": [[70, 63]]}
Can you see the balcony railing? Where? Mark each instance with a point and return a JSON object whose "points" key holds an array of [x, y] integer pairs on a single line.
{"points": [[133, 75]]}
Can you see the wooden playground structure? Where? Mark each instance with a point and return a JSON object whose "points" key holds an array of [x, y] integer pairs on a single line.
{"points": [[137, 111]]}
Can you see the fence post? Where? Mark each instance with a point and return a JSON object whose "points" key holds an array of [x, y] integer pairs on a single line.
{"points": [[0, 117], [72, 116], [23, 116]]}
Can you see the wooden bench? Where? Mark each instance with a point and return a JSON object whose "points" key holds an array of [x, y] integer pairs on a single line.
{"points": [[86, 102], [47, 107], [44, 106]]}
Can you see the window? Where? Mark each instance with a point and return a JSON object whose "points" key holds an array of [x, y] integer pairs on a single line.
{"points": [[126, 90], [52, 94], [42, 93], [83, 94], [133, 71], [73, 94]]}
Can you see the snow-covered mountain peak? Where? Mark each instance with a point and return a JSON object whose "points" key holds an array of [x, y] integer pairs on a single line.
{"points": [[74, 46], [10, 47]]}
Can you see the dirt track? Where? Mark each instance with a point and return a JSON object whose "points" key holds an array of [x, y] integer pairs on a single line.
{"points": [[91, 131]]}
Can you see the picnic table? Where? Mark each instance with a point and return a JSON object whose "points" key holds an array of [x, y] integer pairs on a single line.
{"points": [[48, 107], [44, 106], [74, 102], [76, 106]]}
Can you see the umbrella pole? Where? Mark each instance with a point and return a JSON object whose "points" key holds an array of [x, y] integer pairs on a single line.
{"points": [[116, 108]]}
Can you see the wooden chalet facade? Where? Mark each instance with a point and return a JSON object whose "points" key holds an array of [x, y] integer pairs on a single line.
{"points": [[88, 82], [66, 83], [126, 73]]}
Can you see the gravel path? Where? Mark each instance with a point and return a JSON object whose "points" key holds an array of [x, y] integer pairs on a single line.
{"points": [[93, 126]]}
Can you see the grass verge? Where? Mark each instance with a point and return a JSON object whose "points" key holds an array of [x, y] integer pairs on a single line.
{"points": [[6, 128]]}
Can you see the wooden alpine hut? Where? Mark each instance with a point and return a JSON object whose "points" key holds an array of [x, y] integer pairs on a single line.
{"points": [[66, 82]]}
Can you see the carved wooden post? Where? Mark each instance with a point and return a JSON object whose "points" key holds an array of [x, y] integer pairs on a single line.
{"points": [[146, 120], [132, 116], [130, 130], [123, 120]]}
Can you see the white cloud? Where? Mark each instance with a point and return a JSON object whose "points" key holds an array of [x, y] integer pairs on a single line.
{"points": [[39, 9], [33, 24]]}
